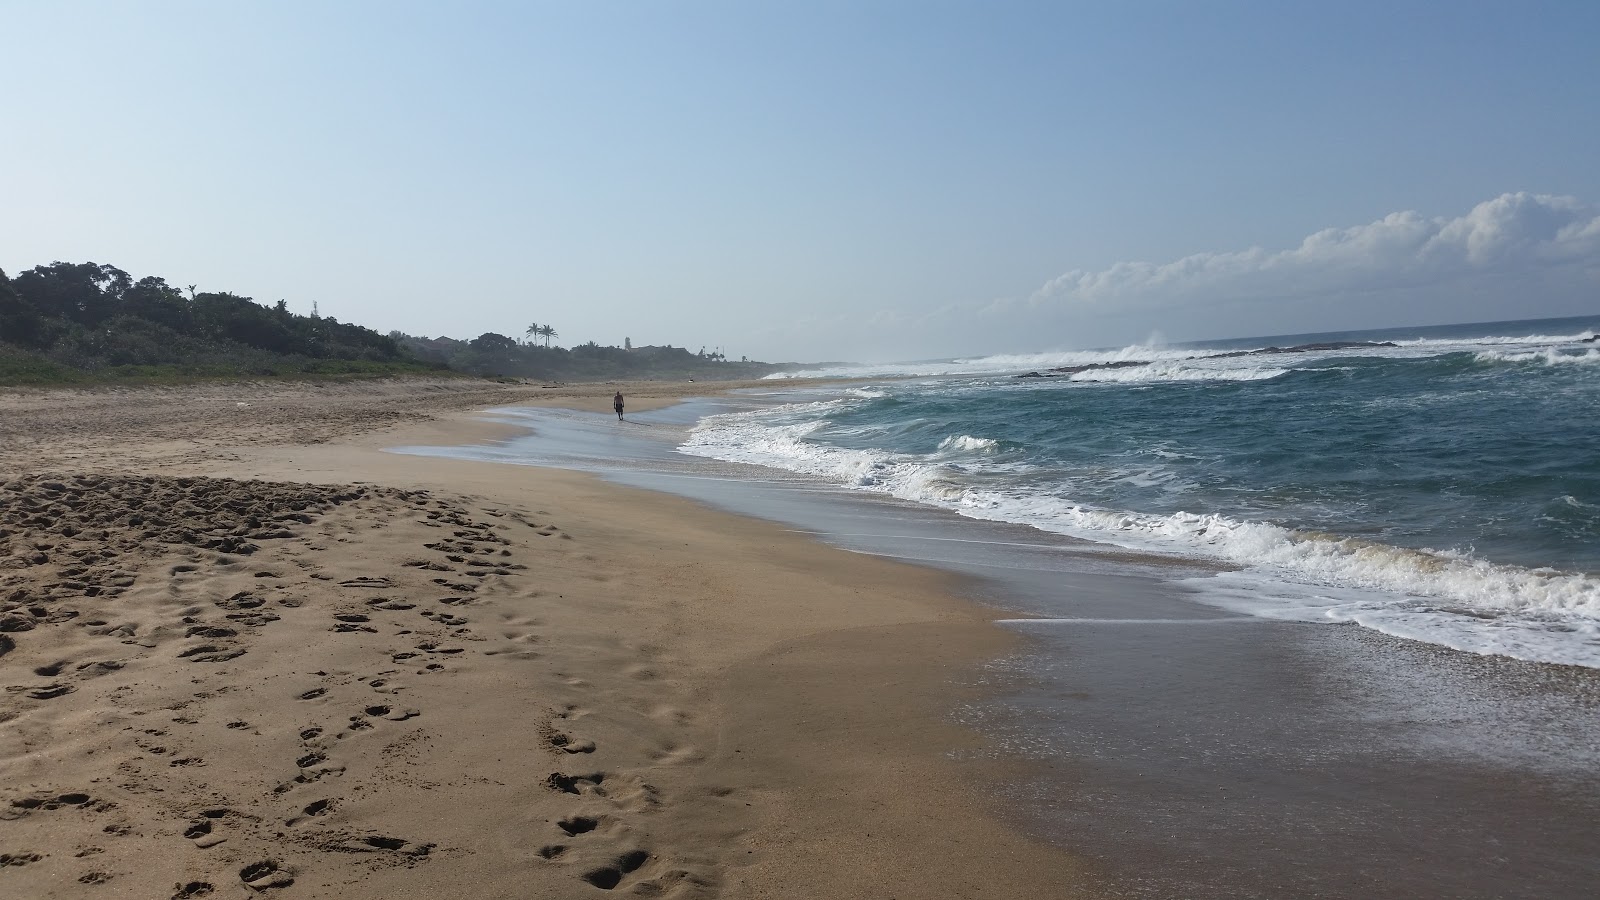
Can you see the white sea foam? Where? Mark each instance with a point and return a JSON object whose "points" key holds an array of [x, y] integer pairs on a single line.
{"points": [[1166, 372], [1499, 340], [1550, 356], [966, 442], [1023, 362], [1439, 596], [1571, 638]]}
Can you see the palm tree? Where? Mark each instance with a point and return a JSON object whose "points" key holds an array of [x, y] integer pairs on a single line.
{"points": [[533, 331], [547, 332]]}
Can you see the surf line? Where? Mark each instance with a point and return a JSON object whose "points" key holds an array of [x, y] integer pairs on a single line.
{"points": [[920, 537], [1052, 621]]}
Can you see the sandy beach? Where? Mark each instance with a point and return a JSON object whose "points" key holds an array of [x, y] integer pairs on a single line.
{"points": [[247, 652]]}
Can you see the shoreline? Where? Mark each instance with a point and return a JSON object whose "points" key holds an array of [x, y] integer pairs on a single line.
{"points": [[694, 683], [1190, 752]]}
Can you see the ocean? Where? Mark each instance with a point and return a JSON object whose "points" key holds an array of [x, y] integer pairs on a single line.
{"points": [[1440, 483], [1244, 573]]}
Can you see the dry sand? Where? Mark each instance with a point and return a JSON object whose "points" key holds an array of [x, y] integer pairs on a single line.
{"points": [[244, 652]]}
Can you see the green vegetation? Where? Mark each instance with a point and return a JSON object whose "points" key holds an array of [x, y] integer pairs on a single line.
{"points": [[497, 354], [83, 323], [88, 323]]}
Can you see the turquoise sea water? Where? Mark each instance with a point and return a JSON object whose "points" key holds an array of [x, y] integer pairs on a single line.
{"points": [[1437, 483]]}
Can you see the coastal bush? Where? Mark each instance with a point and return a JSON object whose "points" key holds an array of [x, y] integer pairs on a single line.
{"points": [[72, 322]]}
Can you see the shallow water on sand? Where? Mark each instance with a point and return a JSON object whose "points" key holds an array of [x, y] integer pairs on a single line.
{"points": [[1185, 750]]}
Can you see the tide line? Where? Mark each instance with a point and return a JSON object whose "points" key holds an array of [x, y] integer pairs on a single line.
{"points": [[1089, 621]]}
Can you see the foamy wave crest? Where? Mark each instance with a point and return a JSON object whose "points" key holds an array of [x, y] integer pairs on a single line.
{"points": [[1453, 344], [1022, 362], [1550, 356], [1161, 372], [1000, 363], [1063, 359], [968, 443], [1438, 596]]}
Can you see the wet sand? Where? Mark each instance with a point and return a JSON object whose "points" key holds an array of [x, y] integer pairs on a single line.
{"points": [[246, 652], [1187, 751]]}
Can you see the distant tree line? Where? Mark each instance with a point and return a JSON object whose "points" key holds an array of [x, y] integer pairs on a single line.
{"points": [[87, 319], [498, 354], [70, 322]]}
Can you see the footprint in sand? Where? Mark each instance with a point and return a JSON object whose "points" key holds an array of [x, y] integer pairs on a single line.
{"points": [[240, 601], [447, 619], [392, 714], [352, 622], [367, 582], [201, 834], [576, 825], [311, 810], [51, 691], [608, 877], [383, 842], [25, 805], [626, 792], [265, 874], [575, 784], [99, 667], [569, 744], [252, 620]]}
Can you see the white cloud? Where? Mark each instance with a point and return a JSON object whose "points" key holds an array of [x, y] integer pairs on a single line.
{"points": [[1516, 256], [1402, 250]]}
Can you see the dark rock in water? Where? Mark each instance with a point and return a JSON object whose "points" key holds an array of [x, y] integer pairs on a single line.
{"points": [[1298, 348], [1119, 364], [1309, 348]]}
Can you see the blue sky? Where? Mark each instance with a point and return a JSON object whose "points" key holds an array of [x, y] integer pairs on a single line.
{"points": [[820, 180]]}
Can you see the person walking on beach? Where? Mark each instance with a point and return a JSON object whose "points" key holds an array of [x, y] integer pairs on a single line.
{"points": [[616, 403]]}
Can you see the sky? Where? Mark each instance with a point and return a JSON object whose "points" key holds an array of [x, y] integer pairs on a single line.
{"points": [[819, 180]]}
